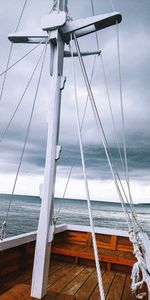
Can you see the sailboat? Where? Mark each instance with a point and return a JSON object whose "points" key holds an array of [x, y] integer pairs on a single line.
{"points": [[68, 261]]}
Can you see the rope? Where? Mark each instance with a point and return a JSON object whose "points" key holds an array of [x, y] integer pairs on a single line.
{"points": [[123, 122], [102, 133], [107, 93], [141, 269], [124, 165], [112, 5], [15, 63], [19, 103], [82, 122], [10, 51], [99, 274], [139, 239], [25, 142], [4, 80], [54, 6]]}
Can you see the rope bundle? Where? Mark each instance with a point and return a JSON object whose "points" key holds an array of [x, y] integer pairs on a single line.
{"points": [[141, 269]]}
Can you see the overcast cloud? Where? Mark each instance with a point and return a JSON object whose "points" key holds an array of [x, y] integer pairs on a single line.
{"points": [[134, 32]]}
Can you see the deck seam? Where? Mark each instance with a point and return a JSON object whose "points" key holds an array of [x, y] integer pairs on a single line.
{"points": [[49, 285], [72, 279], [106, 296], [123, 287], [95, 286], [84, 282]]}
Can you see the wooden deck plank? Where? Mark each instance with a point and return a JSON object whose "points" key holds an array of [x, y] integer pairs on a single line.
{"points": [[14, 279], [127, 293], [58, 296], [68, 281], [107, 280], [54, 266], [87, 288], [117, 286], [59, 273], [25, 277], [78, 281], [60, 283], [19, 292]]}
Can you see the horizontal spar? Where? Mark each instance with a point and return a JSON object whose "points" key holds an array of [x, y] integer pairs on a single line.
{"points": [[80, 27]]}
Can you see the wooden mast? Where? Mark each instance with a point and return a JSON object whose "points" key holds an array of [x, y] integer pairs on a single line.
{"points": [[45, 228]]}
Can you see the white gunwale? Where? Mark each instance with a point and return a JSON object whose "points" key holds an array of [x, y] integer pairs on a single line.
{"points": [[21, 239]]}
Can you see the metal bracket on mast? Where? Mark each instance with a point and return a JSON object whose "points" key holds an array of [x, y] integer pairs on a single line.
{"points": [[58, 150], [63, 81], [57, 29]]}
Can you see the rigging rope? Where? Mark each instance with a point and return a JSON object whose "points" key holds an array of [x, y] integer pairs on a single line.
{"points": [[124, 165], [4, 224], [54, 6], [140, 240], [123, 124], [107, 93], [98, 269], [10, 51], [19, 21], [20, 59], [132, 222], [82, 122], [112, 5], [20, 101], [101, 131]]}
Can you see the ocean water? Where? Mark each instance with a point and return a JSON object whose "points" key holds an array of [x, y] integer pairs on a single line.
{"points": [[24, 213]]}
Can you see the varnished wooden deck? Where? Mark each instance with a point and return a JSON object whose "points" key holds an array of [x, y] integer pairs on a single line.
{"points": [[68, 281]]}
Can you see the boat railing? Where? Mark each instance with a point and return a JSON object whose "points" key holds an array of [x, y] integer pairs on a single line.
{"points": [[24, 238]]}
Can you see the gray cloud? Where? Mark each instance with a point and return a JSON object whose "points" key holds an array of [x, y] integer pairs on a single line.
{"points": [[134, 49]]}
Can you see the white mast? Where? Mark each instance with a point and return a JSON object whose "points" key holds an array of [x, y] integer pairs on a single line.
{"points": [[45, 227], [57, 29]]}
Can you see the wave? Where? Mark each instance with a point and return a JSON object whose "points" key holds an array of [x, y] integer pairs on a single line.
{"points": [[24, 213]]}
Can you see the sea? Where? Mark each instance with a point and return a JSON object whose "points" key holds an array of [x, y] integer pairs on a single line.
{"points": [[24, 213]]}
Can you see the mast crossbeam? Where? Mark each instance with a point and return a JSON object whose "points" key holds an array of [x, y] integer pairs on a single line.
{"points": [[59, 21]]}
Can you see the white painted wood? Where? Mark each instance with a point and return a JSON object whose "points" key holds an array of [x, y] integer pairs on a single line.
{"points": [[46, 227], [31, 236], [28, 37], [85, 26], [85, 53], [54, 20], [60, 228], [25, 238], [81, 27], [17, 240], [102, 230], [42, 252]]}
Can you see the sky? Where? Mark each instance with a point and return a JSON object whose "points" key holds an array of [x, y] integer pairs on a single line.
{"points": [[134, 41]]}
